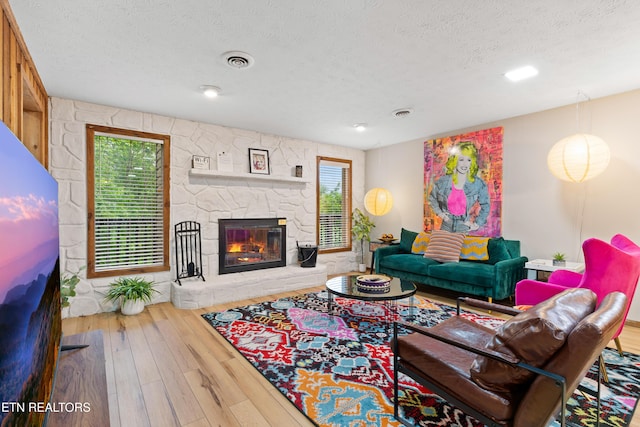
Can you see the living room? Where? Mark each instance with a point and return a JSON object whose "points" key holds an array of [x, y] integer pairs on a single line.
{"points": [[545, 214]]}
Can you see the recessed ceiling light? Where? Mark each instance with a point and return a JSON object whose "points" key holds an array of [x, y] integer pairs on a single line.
{"points": [[360, 127], [521, 73], [237, 59], [210, 91]]}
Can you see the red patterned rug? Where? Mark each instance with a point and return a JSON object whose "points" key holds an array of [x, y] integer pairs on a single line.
{"points": [[338, 371]]}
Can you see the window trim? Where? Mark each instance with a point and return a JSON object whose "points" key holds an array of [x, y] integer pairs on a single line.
{"points": [[91, 130], [349, 245]]}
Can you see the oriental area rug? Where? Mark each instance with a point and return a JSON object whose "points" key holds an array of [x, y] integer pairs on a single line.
{"points": [[338, 369]]}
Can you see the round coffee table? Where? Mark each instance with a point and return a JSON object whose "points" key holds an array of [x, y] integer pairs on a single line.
{"points": [[347, 287]]}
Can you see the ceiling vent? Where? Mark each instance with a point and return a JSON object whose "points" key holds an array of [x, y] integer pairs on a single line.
{"points": [[403, 112], [238, 60]]}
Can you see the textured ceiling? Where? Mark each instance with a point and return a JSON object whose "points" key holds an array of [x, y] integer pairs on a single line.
{"points": [[321, 66]]}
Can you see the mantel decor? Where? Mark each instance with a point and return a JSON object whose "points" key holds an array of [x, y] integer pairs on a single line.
{"points": [[259, 161], [201, 162]]}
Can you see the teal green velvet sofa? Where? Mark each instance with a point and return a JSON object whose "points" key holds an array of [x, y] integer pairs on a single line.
{"points": [[494, 278]]}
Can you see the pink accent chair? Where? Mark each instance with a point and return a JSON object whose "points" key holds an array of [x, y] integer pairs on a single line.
{"points": [[608, 268]]}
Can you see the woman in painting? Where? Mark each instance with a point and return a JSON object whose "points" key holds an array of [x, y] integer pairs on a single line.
{"points": [[460, 197]]}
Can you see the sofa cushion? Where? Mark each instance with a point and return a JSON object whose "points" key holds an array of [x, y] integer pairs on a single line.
{"points": [[444, 246], [533, 337], [415, 264], [497, 251], [420, 243], [465, 272], [406, 240], [475, 248]]}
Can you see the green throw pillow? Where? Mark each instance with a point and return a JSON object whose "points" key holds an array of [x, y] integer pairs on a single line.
{"points": [[406, 240], [497, 250]]}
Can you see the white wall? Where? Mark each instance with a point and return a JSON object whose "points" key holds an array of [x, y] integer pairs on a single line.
{"points": [[192, 198], [541, 211]]}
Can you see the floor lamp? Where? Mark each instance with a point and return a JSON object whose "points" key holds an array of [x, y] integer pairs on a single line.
{"points": [[578, 158], [378, 202]]}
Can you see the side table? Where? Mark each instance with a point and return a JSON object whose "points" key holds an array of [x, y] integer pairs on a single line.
{"points": [[374, 245], [536, 265]]}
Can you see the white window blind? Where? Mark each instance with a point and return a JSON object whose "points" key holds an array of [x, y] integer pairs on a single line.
{"points": [[128, 202], [334, 199]]}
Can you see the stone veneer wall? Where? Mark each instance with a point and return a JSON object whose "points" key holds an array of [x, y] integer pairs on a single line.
{"points": [[203, 199]]}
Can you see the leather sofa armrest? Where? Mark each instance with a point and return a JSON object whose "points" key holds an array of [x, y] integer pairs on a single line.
{"points": [[487, 306], [501, 357]]}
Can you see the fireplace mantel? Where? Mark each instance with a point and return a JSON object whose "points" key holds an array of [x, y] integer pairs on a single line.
{"points": [[251, 176]]}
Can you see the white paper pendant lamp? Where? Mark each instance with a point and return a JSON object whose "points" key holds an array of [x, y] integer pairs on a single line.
{"points": [[378, 201], [578, 157]]}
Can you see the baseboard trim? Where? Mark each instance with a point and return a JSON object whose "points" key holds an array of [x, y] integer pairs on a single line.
{"points": [[634, 323]]}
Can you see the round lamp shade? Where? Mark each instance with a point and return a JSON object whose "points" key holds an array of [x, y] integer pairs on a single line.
{"points": [[378, 201], [578, 157]]}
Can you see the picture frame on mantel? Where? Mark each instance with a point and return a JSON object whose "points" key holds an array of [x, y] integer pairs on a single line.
{"points": [[259, 161]]}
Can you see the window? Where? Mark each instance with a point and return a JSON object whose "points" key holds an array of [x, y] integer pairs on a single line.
{"points": [[334, 204], [127, 201]]}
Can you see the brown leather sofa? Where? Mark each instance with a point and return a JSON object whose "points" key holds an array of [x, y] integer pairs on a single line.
{"points": [[519, 374]]}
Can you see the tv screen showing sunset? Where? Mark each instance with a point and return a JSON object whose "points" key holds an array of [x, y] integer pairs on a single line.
{"points": [[30, 319]]}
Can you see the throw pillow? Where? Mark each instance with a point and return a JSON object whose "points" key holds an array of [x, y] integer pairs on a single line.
{"points": [[497, 250], [420, 243], [444, 246], [533, 337], [406, 240], [475, 248]]}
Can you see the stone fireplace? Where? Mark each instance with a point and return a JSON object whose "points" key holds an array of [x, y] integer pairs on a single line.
{"points": [[251, 244]]}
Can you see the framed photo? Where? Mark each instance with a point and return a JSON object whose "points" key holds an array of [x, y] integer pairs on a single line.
{"points": [[259, 161], [201, 162]]}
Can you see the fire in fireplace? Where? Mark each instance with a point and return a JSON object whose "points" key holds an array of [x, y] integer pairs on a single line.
{"points": [[252, 244]]}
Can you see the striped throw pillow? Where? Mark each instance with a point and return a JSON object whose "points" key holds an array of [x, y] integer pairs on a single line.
{"points": [[475, 248], [420, 243], [444, 246]]}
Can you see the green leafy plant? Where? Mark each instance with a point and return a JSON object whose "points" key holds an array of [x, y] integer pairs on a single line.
{"points": [[558, 256], [68, 282], [130, 288], [361, 229]]}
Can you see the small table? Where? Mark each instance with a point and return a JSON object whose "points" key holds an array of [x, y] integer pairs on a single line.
{"points": [[547, 265], [373, 247], [347, 287]]}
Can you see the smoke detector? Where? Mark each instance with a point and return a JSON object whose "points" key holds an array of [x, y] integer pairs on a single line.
{"points": [[238, 60], [402, 112]]}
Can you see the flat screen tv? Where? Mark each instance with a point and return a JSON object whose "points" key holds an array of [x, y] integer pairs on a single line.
{"points": [[30, 308]]}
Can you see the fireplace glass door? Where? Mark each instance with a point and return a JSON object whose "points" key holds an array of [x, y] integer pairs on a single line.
{"points": [[252, 244]]}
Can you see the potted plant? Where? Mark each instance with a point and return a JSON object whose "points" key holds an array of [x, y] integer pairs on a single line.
{"points": [[132, 292], [361, 228], [558, 259], [68, 282]]}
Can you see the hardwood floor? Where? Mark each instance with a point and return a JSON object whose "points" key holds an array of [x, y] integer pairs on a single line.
{"points": [[168, 367]]}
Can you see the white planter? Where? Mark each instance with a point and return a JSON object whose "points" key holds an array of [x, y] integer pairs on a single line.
{"points": [[362, 268], [130, 307]]}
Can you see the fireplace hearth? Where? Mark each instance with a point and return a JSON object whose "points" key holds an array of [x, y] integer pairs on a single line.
{"points": [[251, 244]]}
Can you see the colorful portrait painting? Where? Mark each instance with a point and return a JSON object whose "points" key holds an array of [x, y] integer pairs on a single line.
{"points": [[463, 183]]}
